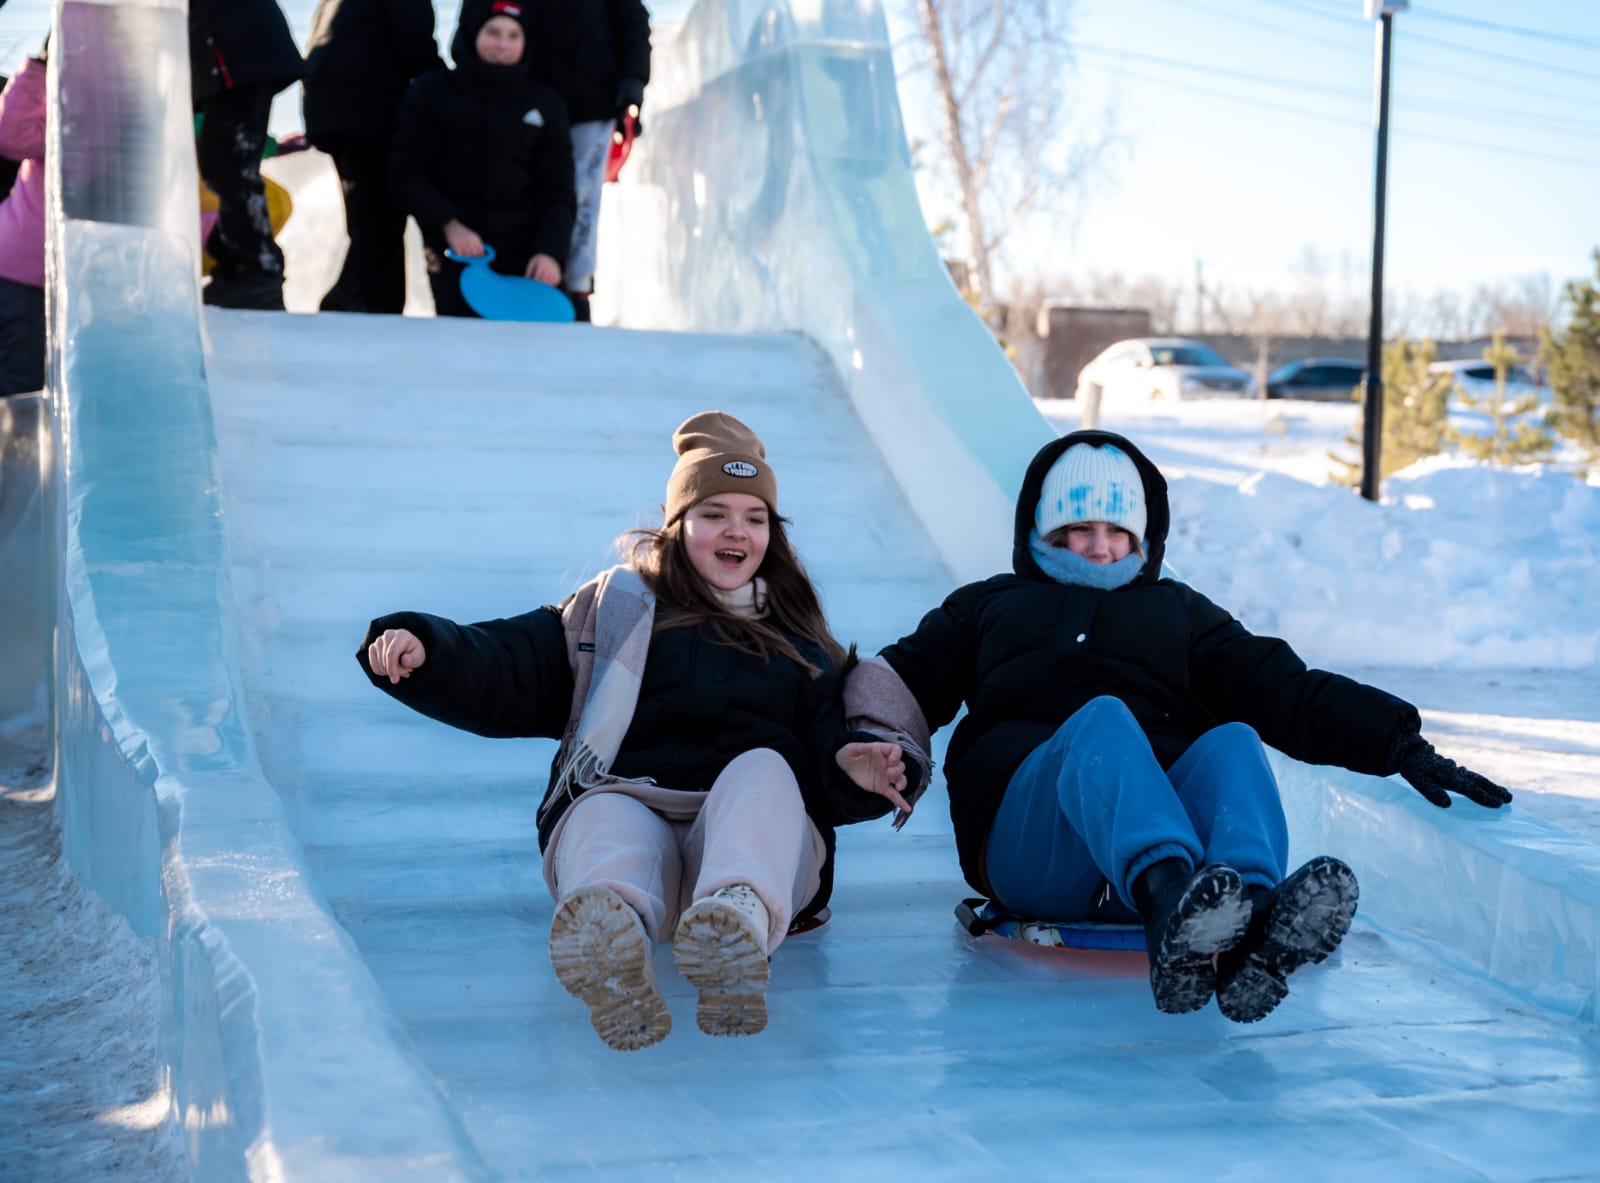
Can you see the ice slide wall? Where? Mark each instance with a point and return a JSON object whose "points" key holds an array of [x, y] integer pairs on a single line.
{"points": [[775, 152]]}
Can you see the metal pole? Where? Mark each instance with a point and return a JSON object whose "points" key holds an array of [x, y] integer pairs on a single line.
{"points": [[1372, 408]]}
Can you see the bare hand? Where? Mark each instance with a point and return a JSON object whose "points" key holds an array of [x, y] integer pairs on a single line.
{"points": [[544, 269], [463, 241], [878, 768], [395, 655]]}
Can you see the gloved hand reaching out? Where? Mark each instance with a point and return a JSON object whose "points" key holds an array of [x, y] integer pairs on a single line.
{"points": [[1436, 776]]}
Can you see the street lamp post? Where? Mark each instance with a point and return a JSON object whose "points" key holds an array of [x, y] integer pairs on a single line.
{"points": [[1372, 405]]}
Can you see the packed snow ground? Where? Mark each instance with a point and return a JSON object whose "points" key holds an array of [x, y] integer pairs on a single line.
{"points": [[1470, 590], [80, 1004]]}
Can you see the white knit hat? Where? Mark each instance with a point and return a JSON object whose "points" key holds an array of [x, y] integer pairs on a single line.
{"points": [[1092, 484]]}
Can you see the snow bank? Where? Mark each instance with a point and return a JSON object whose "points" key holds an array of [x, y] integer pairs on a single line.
{"points": [[1462, 564]]}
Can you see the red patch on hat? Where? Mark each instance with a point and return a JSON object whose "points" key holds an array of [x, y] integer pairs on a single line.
{"points": [[506, 8]]}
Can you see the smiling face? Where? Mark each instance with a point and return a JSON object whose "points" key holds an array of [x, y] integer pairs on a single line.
{"points": [[1099, 542], [500, 41], [725, 537]]}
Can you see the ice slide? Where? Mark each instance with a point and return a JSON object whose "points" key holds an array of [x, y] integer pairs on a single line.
{"points": [[346, 898]]}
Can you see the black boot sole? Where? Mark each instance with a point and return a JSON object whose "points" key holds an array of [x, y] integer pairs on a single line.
{"points": [[1209, 918], [1310, 917]]}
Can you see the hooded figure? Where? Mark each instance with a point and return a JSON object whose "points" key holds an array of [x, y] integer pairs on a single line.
{"points": [[1111, 764], [482, 156], [361, 56]]}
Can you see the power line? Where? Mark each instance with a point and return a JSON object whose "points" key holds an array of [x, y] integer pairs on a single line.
{"points": [[1447, 108], [1254, 102], [1363, 47], [1567, 39], [1452, 46]]}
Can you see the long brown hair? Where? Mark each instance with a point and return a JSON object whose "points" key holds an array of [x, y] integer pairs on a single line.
{"points": [[683, 599]]}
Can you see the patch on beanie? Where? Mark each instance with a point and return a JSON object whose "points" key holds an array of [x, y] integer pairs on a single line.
{"points": [[740, 468], [1108, 501]]}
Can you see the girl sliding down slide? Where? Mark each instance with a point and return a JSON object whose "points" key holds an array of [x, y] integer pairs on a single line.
{"points": [[704, 759]]}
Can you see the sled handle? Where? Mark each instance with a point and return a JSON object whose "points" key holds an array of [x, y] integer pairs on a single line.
{"points": [[486, 258]]}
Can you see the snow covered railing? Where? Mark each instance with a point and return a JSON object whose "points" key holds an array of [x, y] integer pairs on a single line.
{"points": [[280, 1057], [774, 192], [1499, 893]]}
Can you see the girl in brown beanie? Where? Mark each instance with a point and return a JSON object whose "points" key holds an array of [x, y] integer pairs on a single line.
{"points": [[704, 757]]}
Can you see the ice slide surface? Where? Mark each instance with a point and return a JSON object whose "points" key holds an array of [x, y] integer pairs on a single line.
{"points": [[371, 464], [346, 897]]}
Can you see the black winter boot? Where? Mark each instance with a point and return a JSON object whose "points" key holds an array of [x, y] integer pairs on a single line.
{"points": [[1300, 922], [1188, 917]]}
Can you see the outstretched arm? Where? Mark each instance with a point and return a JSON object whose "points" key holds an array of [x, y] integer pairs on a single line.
{"points": [[502, 678]]}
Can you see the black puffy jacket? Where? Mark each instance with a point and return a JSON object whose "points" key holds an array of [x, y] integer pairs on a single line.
{"points": [[701, 703], [500, 163], [589, 48], [239, 43], [1024, 653], [361, 56]]}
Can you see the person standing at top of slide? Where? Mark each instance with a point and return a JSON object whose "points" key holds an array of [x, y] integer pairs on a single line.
{"points": [[598, 53], [361, 57], [482, 157]]}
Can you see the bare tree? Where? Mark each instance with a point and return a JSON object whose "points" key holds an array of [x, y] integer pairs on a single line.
{"points": [[1002, 72]]}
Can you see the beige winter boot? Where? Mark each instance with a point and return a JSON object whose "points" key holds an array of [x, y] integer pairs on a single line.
{"points": [[721, 947], [601, 954]]}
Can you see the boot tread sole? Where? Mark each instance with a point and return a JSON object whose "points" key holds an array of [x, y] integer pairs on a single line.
{"points": [[1311, 916], [716, 951], [1210, 917], [601, 955]]}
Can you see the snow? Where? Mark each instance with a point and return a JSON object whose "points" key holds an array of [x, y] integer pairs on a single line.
{"points": [[80, 1003]]}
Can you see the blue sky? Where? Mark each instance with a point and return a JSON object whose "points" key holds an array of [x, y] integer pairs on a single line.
{"points": [[1250, 135], [1247, 136]]}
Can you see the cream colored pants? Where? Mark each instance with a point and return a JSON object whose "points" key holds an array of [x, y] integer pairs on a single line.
{"points": [[648, 845]]}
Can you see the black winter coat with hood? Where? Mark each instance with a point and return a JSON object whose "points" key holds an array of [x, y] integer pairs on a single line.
{"points": [[238, 43], [490, 147], [701, 703], [593, 49], [1024, 653], [361, 56]]}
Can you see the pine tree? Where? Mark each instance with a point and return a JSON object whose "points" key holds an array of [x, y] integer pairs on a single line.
{"points": [[1521, 443], [1573, 359], [1415, 423]]}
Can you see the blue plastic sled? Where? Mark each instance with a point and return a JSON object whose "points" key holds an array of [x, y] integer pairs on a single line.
{"points": [[979, 916], [509, 297]]}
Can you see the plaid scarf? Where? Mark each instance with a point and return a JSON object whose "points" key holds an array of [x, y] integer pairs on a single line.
{"points": [[608, 622]]}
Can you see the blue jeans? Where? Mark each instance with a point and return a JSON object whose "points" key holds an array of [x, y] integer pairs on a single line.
{"points": [[1091, 805]]}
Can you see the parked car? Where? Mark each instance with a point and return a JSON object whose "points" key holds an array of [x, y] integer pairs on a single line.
{"points": [[1161, 367], [1326, 379], [1475, 378]]}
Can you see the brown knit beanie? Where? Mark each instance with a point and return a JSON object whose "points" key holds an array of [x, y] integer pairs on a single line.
{"points": [[717, 454]]}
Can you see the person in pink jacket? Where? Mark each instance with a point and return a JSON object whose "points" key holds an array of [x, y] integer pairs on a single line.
{"points": [[22, 233]]}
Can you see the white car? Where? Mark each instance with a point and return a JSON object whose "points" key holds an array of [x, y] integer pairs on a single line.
{"points": [[1475, 378], [1161, 367]]}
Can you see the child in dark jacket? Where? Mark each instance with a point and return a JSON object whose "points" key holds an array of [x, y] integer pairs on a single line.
{"points": [[1111, 766], [704, 758], [482, 157]]}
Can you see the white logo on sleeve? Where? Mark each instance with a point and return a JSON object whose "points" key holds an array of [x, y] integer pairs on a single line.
{"points": [[739, 468], [533, 118]]}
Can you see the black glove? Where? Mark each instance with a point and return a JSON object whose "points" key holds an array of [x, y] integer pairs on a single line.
{"points": [[1436, 777], [630, 98]]}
